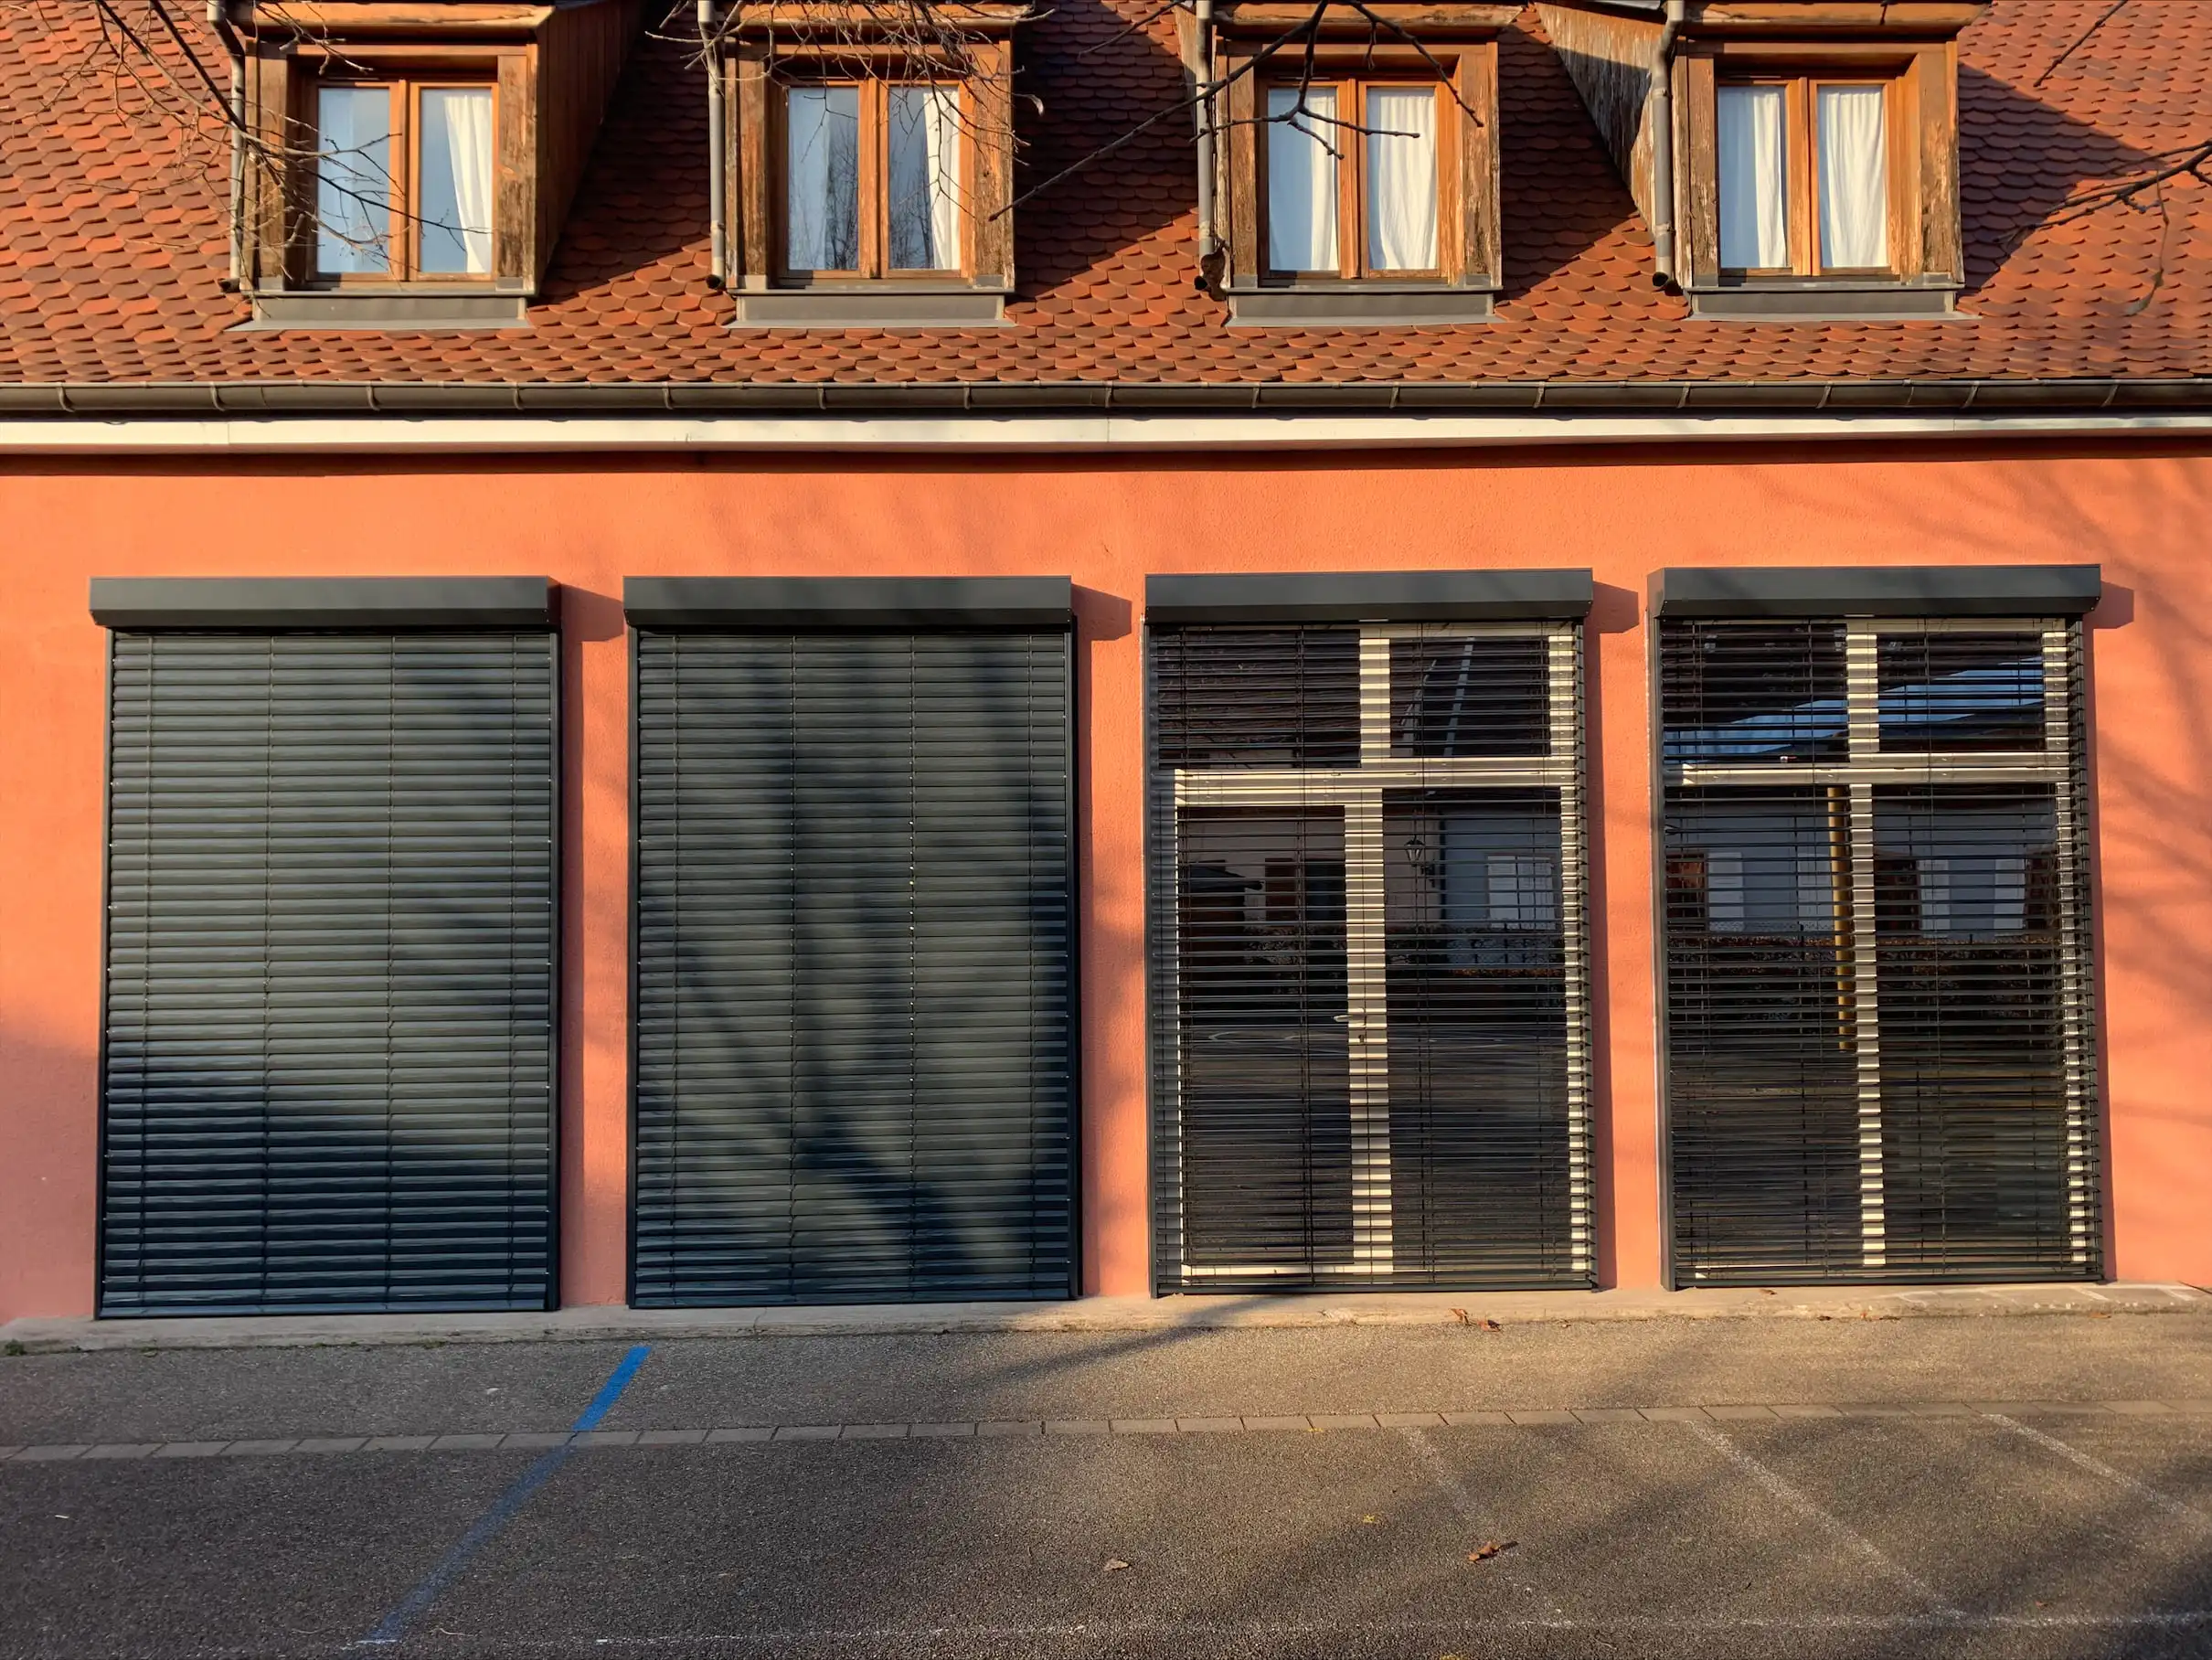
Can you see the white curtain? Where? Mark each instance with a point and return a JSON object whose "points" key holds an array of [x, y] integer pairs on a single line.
{"points": [[822, 229], [1754, 180], [1854, 179], [353, 179], [1402, 178], [456, 205], [925, 178], [1302, 180]]}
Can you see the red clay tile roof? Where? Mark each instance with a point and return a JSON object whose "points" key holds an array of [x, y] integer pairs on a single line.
{"points": [[111, 239]]}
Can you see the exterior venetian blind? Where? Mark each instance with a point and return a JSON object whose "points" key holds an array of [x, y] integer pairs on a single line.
{"points": [[854, 1065], [1876, 951], [1370, 1051], [328, 1069]]}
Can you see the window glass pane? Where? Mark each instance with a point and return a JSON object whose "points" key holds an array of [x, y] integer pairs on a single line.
{"points": [[456, 205], [1250, 697], [1947, 691], [1302, 179], [1402, 178], [1754, 180], [1853, 180], [821, 165], [353, 179], [1747, 694], [1470, 696], [925, 178]]}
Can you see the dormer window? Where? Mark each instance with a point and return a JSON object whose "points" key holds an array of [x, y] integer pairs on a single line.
{"points": [[870, 175], [403, 180], [1803, 166], [1358, 169], [415, 163], [1795, 160]]}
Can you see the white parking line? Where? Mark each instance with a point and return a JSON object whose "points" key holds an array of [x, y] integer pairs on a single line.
{"points": [[1857, 1543], [2096, 1466]]}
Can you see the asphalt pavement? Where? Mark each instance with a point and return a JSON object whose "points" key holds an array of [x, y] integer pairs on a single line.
{"points": [[2029, 1487]]}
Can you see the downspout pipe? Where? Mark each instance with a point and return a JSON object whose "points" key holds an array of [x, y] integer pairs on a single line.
{"points": [[1662, 102], [717, 147], [1209, 239], [220, 23]]}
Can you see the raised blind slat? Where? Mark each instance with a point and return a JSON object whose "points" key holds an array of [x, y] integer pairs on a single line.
{"points": [[328, 1059], [854, 1015]]}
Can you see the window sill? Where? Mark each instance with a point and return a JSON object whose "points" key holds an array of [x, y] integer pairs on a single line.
{"points": [[1819, 302], [896, 305], [1375, 307], [404, 309]]}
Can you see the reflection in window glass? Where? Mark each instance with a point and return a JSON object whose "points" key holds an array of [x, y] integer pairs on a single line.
{"points": [[822, 163], [925, 178], [1469, 696], [1961, 692], [1741, 693], [352, 180]]}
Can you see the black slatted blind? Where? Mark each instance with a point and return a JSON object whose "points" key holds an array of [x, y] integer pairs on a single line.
{"points": [[1369, 1053], [1876, 957], [854, 1065], [329, 1037]]}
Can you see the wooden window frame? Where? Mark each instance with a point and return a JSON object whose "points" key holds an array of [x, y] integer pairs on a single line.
{"points": [[875, 188], [1800, 171], [1351, 164], [1926, 249], [404, 88]]}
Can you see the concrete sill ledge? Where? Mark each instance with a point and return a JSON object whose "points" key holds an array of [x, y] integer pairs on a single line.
{"points": [[34, 1334]]}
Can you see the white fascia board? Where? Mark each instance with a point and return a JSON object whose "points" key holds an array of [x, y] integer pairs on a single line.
{"points": [[542, 434]]}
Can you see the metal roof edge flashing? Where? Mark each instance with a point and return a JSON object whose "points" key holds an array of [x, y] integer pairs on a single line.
{"points": [[324, 603], [850, 602], [111, 401], [1381, 596], [1899, 590]]}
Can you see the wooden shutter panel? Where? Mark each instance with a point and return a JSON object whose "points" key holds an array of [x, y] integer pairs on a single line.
{"points": [[327, 1078], [1876, 951], [854, 1066], [1370, 1059]]}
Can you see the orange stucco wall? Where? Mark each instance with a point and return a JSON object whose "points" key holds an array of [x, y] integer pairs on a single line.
{"points": [[2142, 513]]}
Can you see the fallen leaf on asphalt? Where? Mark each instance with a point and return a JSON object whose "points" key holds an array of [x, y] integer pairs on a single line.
{"points": [[1370, 1521], [1766, 1291], [1491, 1325], [1115, 1565], [1491, 1548], [1460, 1315]]}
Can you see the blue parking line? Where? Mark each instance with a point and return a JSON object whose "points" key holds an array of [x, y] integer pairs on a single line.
{"points": [[489, 1527]]}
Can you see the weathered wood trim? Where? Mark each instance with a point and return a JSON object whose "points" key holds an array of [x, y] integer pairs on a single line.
{"points": [[1243, 144], [1698, 178], [991, 143], [518, 234], [1483, 263], [1935, 79], [751, 109]]}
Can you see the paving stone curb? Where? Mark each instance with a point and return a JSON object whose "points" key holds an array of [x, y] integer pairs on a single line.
{"points": [[1310, 1423], [1479, 1310]]}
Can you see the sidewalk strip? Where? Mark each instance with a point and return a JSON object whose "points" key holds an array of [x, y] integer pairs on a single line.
{"points": [[2096, 1466], [1857, 1543], [493, 1522]]}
